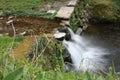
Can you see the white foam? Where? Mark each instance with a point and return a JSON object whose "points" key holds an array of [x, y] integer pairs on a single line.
{"points": [[84, 55]]}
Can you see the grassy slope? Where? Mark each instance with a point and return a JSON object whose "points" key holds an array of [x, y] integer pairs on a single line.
{"points": [[14, 69], [19, 4], [23, 7]]}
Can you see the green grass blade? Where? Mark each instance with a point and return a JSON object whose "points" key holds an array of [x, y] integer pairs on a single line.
{"points": [[14, 75]]}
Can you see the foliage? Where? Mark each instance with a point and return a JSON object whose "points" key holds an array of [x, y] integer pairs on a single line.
{"points": [[24, 7], [37, 69], [46, 53], [103, 10], [7, 43], [15, 75], [46, 61], [78, 19]]}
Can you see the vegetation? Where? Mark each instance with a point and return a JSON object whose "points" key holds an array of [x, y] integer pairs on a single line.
{"points": [[45, 61], [107, 10], [24, 7], [48, 64]]}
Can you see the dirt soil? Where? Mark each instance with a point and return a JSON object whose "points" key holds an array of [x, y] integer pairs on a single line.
{"points": [[22, 49], [29, 25]]}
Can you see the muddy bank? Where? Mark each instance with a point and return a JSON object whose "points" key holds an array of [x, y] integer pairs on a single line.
{"points": [[29, 25]]}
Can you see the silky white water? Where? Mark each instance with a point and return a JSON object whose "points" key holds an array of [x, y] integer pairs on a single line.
{"points": [[84, 55]]}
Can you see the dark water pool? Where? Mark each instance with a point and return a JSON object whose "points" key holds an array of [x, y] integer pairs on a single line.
{"points": [[107, 37]]}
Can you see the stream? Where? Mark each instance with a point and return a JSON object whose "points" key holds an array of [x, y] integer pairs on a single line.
{"points": [[108, 37]]}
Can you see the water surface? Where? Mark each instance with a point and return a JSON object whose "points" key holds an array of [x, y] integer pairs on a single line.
{"points": [[108, 37]]}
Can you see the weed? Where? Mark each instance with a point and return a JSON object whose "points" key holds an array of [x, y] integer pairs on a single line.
{"points": [[24, 8], [48, 64]]}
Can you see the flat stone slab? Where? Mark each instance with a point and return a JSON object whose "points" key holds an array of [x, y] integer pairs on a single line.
{"points": [[65, 12], [72, 3], [66, 22]]}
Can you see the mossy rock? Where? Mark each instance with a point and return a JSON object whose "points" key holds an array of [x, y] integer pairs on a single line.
{"points": [[103, 10]]}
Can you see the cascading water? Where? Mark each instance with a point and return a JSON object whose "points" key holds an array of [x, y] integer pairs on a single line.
{"points": [[84, 55]]}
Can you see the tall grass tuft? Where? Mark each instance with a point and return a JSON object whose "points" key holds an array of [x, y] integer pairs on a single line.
{"points": [[46, 65]]}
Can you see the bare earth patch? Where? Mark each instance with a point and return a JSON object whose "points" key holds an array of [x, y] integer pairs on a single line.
{"points": [[29, 25], [22, 49]]}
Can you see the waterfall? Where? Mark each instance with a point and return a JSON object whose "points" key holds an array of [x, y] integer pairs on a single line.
{"points": [[84, 56]]}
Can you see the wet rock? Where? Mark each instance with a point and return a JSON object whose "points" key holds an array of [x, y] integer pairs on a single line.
{"points": [[87, 15], [84, 27], [79, 31]]}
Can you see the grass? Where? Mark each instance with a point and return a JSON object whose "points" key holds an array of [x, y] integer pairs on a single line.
{"points": [[77, 17], [48, 64], [24, 7]]}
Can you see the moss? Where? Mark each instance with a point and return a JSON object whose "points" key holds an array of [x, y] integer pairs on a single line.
{"points": [[103, 10]]}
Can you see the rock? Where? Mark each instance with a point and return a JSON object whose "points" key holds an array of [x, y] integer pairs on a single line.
{"points": [[9, 22], [66, 22], [1, 18], [10, 17], [51, 11], [23, 33], [59, 35], [79, 31], [84, 27], [72, 3], [65, 12]]}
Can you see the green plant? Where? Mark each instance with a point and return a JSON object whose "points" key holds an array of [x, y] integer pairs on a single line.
{"points": [[25, 8], [78, 16], [46, 53], [49, 55]]}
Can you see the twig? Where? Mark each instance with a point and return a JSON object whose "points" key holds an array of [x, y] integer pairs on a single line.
{"points": [[36, 49], [14, 34], [42, 51]]}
